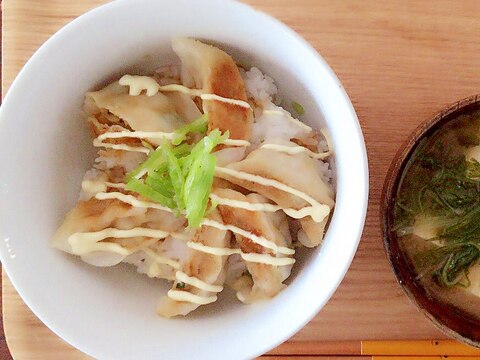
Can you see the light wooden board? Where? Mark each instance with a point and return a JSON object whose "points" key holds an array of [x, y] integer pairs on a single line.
{"points": [[399, 61]]}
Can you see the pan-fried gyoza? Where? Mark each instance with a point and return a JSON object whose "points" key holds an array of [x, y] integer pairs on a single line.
{"points": [[201, 179]]}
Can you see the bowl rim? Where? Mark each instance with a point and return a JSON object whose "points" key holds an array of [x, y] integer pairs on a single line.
{"points": [[362, 179], [454, 322]]}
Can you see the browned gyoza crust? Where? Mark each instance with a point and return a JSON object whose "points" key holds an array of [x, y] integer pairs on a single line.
{"points": [[226, 81], [206, 267], [267, 279], [215, 72]]}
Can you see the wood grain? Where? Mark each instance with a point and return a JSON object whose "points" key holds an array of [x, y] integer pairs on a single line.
{"points": [[400, 62], [286, 357], [302, 348]]}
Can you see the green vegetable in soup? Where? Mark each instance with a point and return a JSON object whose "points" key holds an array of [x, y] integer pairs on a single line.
{"points": [[440, 187]]}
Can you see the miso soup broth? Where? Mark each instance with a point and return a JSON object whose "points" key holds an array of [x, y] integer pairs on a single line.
{"points": [[437, 212]]}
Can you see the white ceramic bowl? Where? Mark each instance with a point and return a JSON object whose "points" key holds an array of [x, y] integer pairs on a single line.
{"points": [[45, 149]]}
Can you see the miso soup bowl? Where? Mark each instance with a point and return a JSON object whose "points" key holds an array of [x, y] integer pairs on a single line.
{"points": [[109, 313], [448, 318]]}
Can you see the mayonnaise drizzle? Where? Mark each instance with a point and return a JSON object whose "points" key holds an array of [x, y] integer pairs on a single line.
{"points": [[115, 185], [94, 186], [86, 242], [212, 250], [90, 186], [235, 142], [267, 259], [260, 240], [139, 83], [129, 199], [317, 211], [80, 248], [196, 282], [199, 93], [296, 214], [191, 298], [296, 149], [132, 200], [257, 239], [215, 97], [289, 117], [136, 134], [251, 257], [145, 135], [326, 135], [161, 259], [83, 243], [98, 143]]}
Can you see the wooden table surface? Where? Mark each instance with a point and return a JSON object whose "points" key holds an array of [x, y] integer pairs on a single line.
{"points": [[4, 352], [399, 61]]}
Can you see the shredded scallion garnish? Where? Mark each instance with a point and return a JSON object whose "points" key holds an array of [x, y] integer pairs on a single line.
{"points": [[196, 126], [180, 176], [298, 108]]}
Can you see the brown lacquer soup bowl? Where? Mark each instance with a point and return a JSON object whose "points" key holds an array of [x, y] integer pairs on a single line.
{"points": [[455, 321]]}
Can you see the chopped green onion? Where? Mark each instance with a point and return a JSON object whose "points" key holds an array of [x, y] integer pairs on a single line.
{"points": [[207, 144], [213, 206], [473, 169], [149, 193], [196, 126], [199, 179], [161, 185], [182, 150], [175, 174], [179, 177], [160, 172], [298, 108], [197, 188], [180, 285], [147, 145], [155, 160]]}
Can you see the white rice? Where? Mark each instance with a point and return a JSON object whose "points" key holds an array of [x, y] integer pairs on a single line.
{"points": [[259, 86], [262, 89], [324, 170], [273, 126], [323, 146]]}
